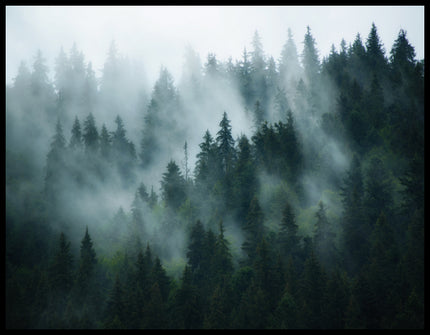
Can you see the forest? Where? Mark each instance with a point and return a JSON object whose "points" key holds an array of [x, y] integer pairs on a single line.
{"points": [[255, 193]]}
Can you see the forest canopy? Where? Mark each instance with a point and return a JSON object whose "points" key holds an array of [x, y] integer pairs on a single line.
{"points": [[261, 192]]}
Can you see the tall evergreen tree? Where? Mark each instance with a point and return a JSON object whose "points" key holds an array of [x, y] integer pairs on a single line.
{"points": [[86, 266], [115, 309], [55, 164], [223, 258], [225, 144], [324, 238], [61, 268], [196, 246], [245, 180], [254, 230], [289, 66], [312, 289], [76, 138], [173, 186], [90, 134], [288, 238], [105, 143], [310, 59], [375, 53]]}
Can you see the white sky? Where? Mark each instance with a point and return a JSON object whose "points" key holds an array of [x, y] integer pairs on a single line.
{"points": [[157, 36]]}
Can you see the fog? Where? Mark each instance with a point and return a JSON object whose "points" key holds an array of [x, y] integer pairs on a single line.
{"points": [[136, 55], [158, 35]]}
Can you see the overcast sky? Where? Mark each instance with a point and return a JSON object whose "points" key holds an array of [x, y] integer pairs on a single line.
{"points": [[157, 36]]}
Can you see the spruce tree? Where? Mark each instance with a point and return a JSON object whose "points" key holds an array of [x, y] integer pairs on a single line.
{"points": [[254, 230], [86, 266], [76, 138], [288, 238], [61, 268], [173, 186], [225, 144], [90, 135], [115, 309]]}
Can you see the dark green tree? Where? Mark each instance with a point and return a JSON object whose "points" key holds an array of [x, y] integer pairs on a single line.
{"points": [[312, 291], [310, 59], [378, 191], [90, 134], [115, 310], [154, 312], [245, 179], [173, 186], [223, 259], [225, 143], [188, 305], [259, 114], [324, 238], [196, 246], [254, 230], [61, 268], [86, 266], [76, 138], [208, 167], [288, 238], [375, 53], [336, 301], [355, 229], [55, 165], [105, 143], [159, 276]]}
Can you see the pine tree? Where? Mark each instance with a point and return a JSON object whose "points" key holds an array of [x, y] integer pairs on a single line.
{"points": [[336, 301], [382, 268], [105, 143], [245, 179], [223, 258], [159, 277], [225, 144], [195, 247], [55, 165], [259, 115], [62, 73], [115, 309], [90, 135], [173, 186], [312, 290], [378, 191], [287, 237], [254, 230], [154, 312], [61, 268], [258, 72], [160, 119], [324, 238], [188, 304], [90, 89], [245, 79], [153, 198], [375, 53], [40, 84], [285, 315], [355, 228], [76, 138], [289, 66], [86, 266], [311, 62]]}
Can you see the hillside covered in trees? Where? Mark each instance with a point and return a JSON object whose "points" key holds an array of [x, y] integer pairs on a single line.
{"points": [[253, 193]]}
